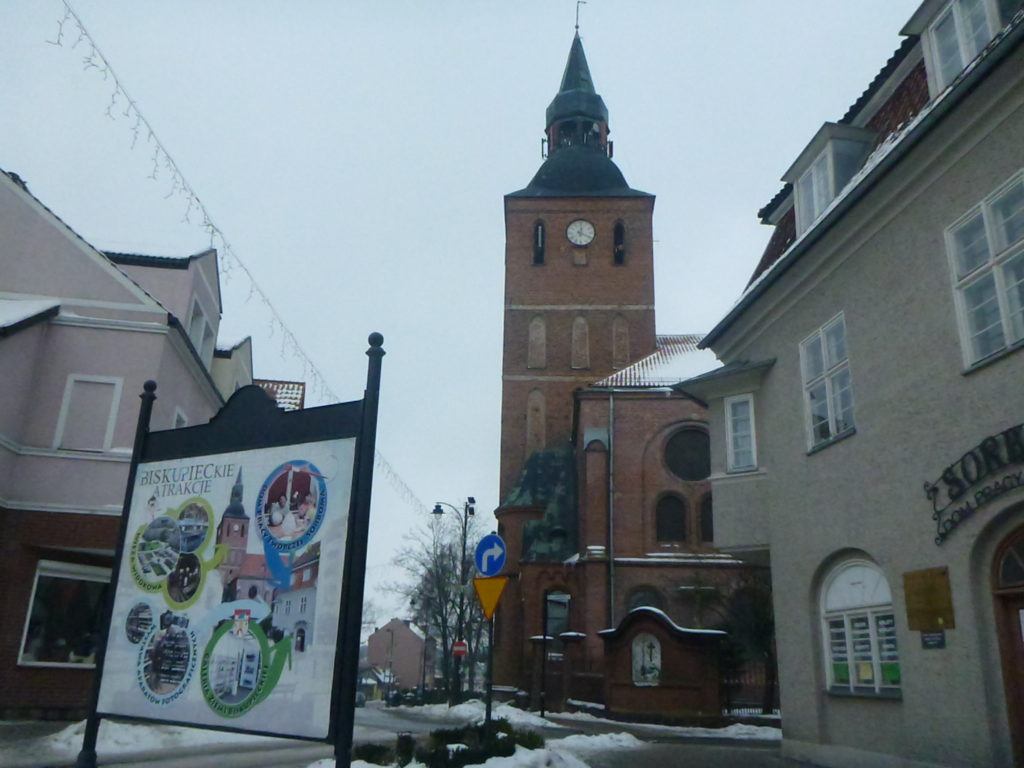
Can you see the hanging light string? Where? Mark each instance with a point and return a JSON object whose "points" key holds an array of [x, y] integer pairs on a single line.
{"points": [[122, 105]]}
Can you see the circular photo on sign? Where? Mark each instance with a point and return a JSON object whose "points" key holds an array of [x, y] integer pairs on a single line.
{"points": [[166, 661], [194, 523], [233, 666], [184, 579], [290, 505], [158, 550], [140, 619]]}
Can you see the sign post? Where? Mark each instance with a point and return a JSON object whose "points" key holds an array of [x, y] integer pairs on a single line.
{"points": [[237, 583], [490, 559]]}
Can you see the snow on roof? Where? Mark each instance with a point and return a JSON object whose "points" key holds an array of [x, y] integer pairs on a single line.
{"points": [[676, 358], [661, 614], [417, 631], [680, 558], [16, 311], [289, 395]]}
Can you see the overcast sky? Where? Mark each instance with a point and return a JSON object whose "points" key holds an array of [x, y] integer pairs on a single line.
{"points": [[356, 155]]}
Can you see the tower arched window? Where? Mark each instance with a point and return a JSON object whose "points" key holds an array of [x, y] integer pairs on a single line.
{"points": [[538, 242], [536, 414], [620, 342], [537, 350], [580, 343], [670, 520], [619, 244], [707, 520]]}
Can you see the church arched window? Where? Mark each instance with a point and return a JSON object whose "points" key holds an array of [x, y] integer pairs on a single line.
{"points": [[620, 342], [538, 243], [670, 519], [536, 413], [619, 247], [580, 343], [537, 354]]}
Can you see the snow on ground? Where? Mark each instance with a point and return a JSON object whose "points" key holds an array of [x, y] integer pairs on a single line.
{"points": [[600, 742], [523, 758], [736, 731], [474, 711]]}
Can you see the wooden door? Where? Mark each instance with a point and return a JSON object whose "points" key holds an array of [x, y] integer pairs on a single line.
{"points": [[1011, 643]]}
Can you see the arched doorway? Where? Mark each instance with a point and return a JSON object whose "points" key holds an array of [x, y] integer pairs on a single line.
{"points": [[300, 639], [1008, 588]]}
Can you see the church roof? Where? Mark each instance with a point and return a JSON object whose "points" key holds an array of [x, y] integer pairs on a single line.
{"points": [[676, 358], [576, 96], [579, 171]]}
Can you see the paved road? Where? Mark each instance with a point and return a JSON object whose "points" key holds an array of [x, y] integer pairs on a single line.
{"points": [[689, 755]]}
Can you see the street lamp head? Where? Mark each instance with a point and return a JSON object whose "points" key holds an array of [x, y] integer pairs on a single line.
{"points": [[471, 505], [437, 510]]}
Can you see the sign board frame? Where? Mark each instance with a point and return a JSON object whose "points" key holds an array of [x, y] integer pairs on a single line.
{"points": [[929, 600], [250, 421]]}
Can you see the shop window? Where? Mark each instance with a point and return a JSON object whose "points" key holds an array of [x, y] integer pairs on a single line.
{"points": [[538, 243], [739, 436], [537, 354], [645, 651], [619, 245], [580, 343], [688, 454], [62, 627], [670, 520], [707, 520], [986, 250], [859, 627], [828, 389], [88, 413], [620, 342]]}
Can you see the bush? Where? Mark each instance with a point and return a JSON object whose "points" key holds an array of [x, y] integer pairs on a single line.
{"points": [[480, 744], [378, 754]]}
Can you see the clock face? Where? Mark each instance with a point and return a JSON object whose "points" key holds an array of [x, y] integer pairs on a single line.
{"points": [[580, 232]]}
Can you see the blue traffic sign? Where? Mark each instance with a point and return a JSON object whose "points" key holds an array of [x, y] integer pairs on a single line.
{"points": [[490, 555]]}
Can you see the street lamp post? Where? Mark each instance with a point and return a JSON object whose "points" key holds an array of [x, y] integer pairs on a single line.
{"points": [[468, 510]]}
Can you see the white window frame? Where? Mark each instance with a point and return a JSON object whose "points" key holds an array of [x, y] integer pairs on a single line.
{"points": [[869, 610], [830, 369], [59, 570], [179, 416], [731, 465], [965, 45], [806, 212], [203, 349], [999, 254], [65, 406]]}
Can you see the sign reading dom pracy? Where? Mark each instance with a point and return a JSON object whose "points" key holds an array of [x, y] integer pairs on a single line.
{"points": [[239, 573]]}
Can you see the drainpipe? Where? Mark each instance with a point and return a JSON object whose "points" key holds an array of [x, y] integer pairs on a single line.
{"points": [[611, 508]]}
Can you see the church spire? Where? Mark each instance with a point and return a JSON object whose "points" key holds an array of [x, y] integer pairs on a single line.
{"points": [[577, 115]]}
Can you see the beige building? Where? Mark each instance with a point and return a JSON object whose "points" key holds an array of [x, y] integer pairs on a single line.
{"points": [[866, 426]]}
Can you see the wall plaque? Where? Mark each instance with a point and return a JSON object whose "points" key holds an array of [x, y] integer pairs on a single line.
{"points": [[929, 600]]}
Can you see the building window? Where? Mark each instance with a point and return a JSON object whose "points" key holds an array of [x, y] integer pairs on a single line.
{"points": [[645, 597], [580, 343], [307, 575], [556, 619], [670, 520], [957, 35], [707, 520], [63, 623], [287, 607], [536, 415], [828, 391], [740, 445], [538, 243], [303, 602], [620, 342], [200, 333], [859, 626], [986, 248], [88, 413], [619, 247], [688, 454], [537, 349], [825, 178]]}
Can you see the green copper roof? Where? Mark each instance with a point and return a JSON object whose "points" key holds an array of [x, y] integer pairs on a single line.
{"points": [[576, 96], [548, 481]]}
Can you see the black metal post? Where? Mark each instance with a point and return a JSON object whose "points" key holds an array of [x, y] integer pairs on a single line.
{"points": [[87, 755], [544, 654], [462, 603], [490, 672], [354, 573]]}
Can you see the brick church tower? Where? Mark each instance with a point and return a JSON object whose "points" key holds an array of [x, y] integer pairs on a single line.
{"points": [[579, 275]]}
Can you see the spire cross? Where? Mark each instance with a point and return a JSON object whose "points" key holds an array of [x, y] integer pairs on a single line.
{"points": [[578, 4]]}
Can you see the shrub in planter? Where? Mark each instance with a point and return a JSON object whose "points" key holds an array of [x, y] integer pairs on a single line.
{"points": [[378, 754]]}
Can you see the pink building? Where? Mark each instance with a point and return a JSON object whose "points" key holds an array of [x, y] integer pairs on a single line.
{"points": [[402, 649], [80, 331]]}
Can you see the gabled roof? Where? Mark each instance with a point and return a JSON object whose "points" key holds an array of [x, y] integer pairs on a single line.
{"points": [[16, 314], [676, 358]]}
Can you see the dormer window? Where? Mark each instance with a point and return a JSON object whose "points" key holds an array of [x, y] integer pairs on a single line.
{"points": [[824, 168], [200, 333], [954, 32]]}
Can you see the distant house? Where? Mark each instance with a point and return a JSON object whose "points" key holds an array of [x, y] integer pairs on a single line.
{"points": [[80, 331], [295, 606], [403, 650]]}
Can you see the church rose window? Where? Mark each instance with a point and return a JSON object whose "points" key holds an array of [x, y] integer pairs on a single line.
{"points": [[670, 519], [688, 454]]}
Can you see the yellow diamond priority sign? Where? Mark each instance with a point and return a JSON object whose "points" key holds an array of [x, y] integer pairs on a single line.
{"points": [[489, 592]]}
